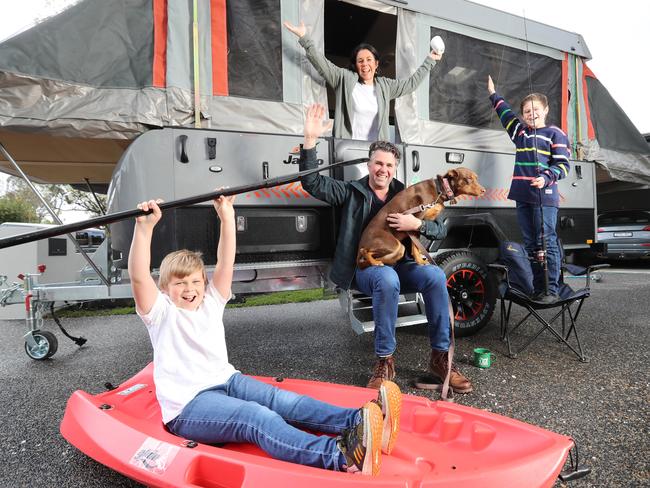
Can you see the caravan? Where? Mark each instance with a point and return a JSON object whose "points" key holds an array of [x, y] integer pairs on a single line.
{"points": [[199, 99]]}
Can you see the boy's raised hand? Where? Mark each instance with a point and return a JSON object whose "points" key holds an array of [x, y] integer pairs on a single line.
{"points": [[149, 220], [224, 206], [490, 85]]}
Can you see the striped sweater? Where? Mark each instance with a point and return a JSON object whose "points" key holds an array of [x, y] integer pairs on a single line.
{"points": [[552, 161]]}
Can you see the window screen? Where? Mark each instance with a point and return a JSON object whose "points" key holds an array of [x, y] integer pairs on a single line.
{"points": [[458, 84], [254, 49]]}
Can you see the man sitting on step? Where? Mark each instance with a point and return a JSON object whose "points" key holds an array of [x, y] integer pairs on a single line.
{"points": [[360, 201]]}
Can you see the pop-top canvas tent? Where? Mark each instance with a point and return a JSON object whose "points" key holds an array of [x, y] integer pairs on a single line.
{"points": [[77, 88]]}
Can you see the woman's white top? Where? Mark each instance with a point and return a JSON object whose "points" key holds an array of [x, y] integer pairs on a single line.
{"points": [[365, 120]]}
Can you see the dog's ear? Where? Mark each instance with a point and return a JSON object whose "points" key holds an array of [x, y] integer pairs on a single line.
{"points": [[452, 173]]}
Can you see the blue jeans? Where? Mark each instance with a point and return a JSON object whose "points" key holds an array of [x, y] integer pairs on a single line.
{"points": [[530, 219], [247, 410], [384, 284]]}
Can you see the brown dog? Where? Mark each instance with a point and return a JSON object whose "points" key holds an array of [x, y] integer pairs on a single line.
{"points": [[381, 244]]}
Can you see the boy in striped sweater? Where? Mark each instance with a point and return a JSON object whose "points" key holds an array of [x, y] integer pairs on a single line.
{"points": [[542, 159]]}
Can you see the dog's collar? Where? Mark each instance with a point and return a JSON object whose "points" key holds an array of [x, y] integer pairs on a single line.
{"points": [[444, 190], [443, 187]]}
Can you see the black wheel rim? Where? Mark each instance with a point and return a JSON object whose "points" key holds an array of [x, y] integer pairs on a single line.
{"points": [[466, 289]]}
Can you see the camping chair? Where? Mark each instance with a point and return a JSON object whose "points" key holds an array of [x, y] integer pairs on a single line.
{"points": [[516, 286]]}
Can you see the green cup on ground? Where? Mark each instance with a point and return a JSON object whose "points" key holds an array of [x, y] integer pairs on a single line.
{"points": [[482, 357]]}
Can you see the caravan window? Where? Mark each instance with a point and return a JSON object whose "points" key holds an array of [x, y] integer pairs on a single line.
{"points": [[347, 26], [254, 49], [458, 87], [90, 239]]}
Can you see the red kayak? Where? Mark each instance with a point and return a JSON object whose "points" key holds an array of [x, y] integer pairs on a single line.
{"points": [[440, 444]]}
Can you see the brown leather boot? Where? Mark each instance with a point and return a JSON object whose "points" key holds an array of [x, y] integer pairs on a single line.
{"points": [[438, 366], [384, 370]]}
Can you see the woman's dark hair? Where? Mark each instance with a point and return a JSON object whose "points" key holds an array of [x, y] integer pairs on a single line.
{"points": [[355, 52]]}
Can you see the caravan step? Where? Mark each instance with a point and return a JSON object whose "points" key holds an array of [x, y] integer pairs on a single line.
{"points": [[365, 303], [368, 326], [359, 309]]}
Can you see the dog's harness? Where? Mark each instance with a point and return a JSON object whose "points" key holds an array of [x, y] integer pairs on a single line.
{"points": [[443, 188], [444, 192]]}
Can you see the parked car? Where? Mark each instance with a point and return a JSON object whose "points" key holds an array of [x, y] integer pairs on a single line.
{"points": [[626, 233]]}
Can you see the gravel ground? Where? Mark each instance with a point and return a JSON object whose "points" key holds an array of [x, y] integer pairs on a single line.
{"points": [[603, 404]]}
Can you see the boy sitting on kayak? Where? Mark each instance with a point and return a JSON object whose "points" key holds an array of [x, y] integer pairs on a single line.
{"points": [[204, 398]]}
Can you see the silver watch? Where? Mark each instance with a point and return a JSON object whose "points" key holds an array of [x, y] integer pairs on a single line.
{"points": [[423, 227]]}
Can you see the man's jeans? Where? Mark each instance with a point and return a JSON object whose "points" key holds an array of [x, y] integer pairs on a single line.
{"points": [[247, 410], [384, 284], [529, 217]]}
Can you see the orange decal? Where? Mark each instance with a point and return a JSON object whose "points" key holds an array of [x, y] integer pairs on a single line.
{"points": [[219, 45], [282, 192], [159, 43]]}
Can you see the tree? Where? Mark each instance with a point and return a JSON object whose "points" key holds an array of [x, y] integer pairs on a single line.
{"points": [[59, 197], [15, 209], [95, 204], [54, 196]]}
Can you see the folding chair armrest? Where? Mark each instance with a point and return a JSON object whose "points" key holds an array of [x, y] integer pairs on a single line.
{"points": [[503, 270], [583, 271], [574, 269], [595, 267], [498, 267]]}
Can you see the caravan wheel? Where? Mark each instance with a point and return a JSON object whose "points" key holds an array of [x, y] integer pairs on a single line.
{"points": [[472, 292], [46, 345]]}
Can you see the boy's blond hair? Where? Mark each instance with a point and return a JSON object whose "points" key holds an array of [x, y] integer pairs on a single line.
{"points": [[179, 264]]}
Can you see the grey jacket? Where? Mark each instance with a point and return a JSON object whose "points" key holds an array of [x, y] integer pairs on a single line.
{"points": [[354, 198], [343, 81]]}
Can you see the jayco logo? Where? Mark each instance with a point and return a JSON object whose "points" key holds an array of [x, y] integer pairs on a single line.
{"points": [[294, 157]]}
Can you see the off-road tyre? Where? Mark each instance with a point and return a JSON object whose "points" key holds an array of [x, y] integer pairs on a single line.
{"points": [[472, 291]]}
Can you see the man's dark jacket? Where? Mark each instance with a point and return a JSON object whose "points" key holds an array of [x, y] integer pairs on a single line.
{"points": [[354, 198]]}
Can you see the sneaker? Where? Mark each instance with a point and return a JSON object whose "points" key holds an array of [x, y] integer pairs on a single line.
{"points": [[384, 371], [361, 444], [544, 298], [389, 400], [457, 381]]}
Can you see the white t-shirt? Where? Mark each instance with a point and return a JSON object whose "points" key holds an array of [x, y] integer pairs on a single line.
{"points": [[365, 122], [189, 350]]}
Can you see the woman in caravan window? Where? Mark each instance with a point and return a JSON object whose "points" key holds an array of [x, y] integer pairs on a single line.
{"points": [[362, 97]]}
